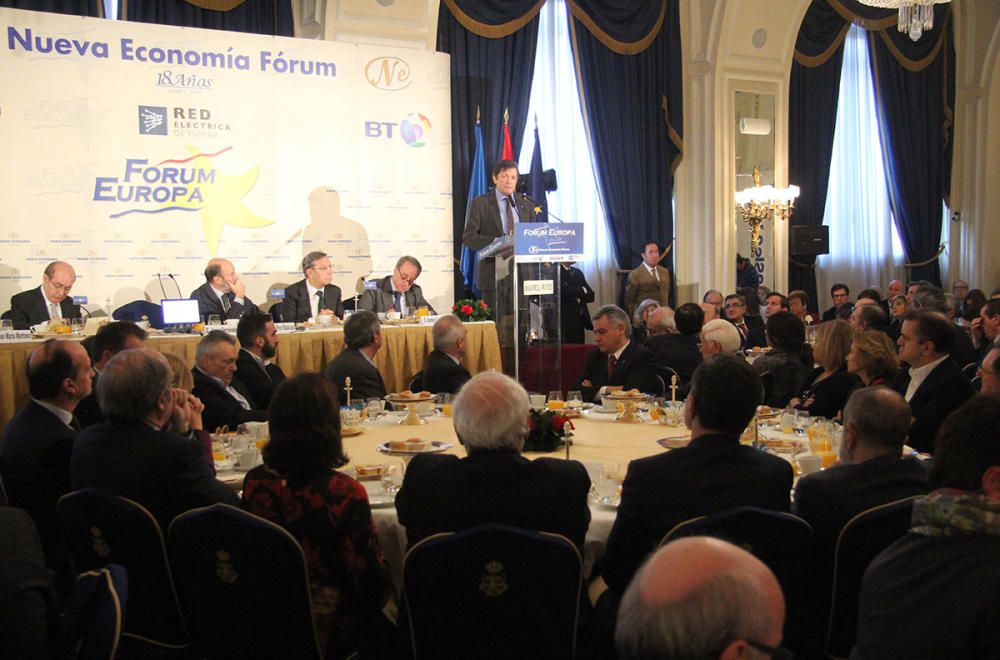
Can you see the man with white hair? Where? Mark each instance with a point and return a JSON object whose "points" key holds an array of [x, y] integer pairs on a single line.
{"points": [[701, 597], [443, 370], [661, 322], [719, 336], [494, 483]]}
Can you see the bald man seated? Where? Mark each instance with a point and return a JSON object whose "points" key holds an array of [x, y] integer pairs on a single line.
{"points": [[223, 292], [701, 597], [51, 300]]}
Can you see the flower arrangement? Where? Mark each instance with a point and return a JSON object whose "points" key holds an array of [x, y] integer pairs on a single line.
{"points": [[547, 430], [470, 309]]}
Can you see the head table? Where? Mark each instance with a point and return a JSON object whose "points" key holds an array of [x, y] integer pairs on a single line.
{"points": [[404, 350]]}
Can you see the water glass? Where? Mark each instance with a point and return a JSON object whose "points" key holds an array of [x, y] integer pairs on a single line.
{"points": [[374, 407], [6, 325], [537, 401], [446, 402], [801, 421], [392, 477]]}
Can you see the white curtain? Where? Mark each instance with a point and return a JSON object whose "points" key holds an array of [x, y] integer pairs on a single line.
{"points": [[864, 247], [555, 101]]}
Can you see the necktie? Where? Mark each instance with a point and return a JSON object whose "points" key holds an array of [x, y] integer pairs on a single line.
{"points": [[225, 303], [509, 225], [75, 424], [396, 295], [54, 312], [320, 302], [743, 329], [612, 361]]}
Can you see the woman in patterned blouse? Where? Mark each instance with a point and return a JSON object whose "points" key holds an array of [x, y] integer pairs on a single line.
{"points": [[299, 488]]}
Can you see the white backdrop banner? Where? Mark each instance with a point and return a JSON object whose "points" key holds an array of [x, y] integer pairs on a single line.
{"points": [[135, 151]]}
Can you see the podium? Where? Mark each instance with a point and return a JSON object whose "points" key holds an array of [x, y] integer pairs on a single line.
{"points": [[527, 297]]}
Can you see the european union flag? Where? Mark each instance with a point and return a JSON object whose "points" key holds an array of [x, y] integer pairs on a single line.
{"points": [[477, 186]]}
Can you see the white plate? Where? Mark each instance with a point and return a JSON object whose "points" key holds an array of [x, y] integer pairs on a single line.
{"points": [[434, 448], [602, 411], [381, 501]]}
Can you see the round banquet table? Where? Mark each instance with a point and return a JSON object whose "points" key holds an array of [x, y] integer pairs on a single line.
{"points": [[598, 441]]}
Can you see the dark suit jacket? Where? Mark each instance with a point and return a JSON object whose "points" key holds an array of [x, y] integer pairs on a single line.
{"points": [[162, 471], [756, 337], [828, 499], [88, 411], [441, 374], [259, 381], [679, 352], [366, 381], [574, 293], [34, 463], [443, 493], [28, 605], [712, 474], [944, 390], [483, 224], [634, 369], [752, 323], [209, 303], [296, 307], [380, 299], [29, 308], [221, 409]]}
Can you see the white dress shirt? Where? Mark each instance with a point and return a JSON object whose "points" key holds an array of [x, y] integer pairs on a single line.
{"points": [[919, 374]]}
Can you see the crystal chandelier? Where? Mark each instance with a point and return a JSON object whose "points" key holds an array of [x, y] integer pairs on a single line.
{"points": [[759, 203], [915, 16]]}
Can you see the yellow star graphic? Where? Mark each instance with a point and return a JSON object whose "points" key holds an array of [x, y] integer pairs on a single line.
{"points": [[221, 200]]}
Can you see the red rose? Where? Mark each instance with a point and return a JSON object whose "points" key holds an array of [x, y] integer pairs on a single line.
{"points": [[454, 308], [482, 304], [466, 309]]}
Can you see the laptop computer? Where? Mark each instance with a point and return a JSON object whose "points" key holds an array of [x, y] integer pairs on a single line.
{"points": [[179, 314]]}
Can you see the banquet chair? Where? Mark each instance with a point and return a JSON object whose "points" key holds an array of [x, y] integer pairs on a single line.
{"points": [[101, 529], [244, 585], [417, 382], [780, 540], [493, 591], [275, 311], [91, 625], [862, 538]]}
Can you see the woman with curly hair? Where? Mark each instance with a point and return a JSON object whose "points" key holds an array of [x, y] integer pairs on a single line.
{"points": [[873, 358], [299, 488]]}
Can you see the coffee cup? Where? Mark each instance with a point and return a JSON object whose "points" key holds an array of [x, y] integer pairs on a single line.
{"points": [[809, 463]]}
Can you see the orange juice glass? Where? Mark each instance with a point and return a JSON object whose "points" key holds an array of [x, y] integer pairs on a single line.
{"points": [[446, 409], [556, 405], [261, 442]]}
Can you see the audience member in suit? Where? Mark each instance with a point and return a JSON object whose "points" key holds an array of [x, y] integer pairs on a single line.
{"points": [[713, 298], [227, 400], [640, 319], [313, 296], [110, 340], [38, 441], [443, 370], [28, 608], [648, 280], [258, 346], [362, 340], [989, 371], [894, 289], [841, 294], [719, 336], [494, 483], [933, 593], [871, 471], [574, 293], [933, 385], [398, 291], [223, 292], [826, 389], [798, 304], [790, 362], [927, 296], [773, 303], [672, 607], [492, 215], [49, 301], [985, 328], [146, 451], [677, 349], [713, 473], [868, 315], [617, 363], [736, 308]]}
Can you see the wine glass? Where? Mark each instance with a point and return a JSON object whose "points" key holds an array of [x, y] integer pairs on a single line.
{"points": [[555, 400]]}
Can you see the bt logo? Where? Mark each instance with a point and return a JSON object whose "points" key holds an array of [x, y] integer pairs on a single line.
{"points": [[413, 129]]}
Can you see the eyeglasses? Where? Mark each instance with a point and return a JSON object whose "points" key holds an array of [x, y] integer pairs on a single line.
{"points": [[733, 304]]}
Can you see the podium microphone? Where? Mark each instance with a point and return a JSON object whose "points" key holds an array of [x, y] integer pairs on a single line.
{"points": [[176, 284]]}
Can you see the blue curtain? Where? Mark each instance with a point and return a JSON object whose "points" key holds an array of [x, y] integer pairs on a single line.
{"points": [[915, 97], [915, 94], [812, 117], [272, 17], [93, 8], [492, 47], [629, 57]]}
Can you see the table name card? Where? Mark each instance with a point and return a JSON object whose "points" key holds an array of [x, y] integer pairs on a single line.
{"points": [[228, 329], [284, 328], [15, 335]]}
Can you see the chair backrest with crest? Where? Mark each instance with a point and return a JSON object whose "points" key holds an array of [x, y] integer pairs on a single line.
{"points": [[101, 529], [493, 591], [244, 585], [861, 539]]}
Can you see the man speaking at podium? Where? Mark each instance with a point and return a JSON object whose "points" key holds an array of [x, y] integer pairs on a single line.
{"points": [[494, 214]]}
